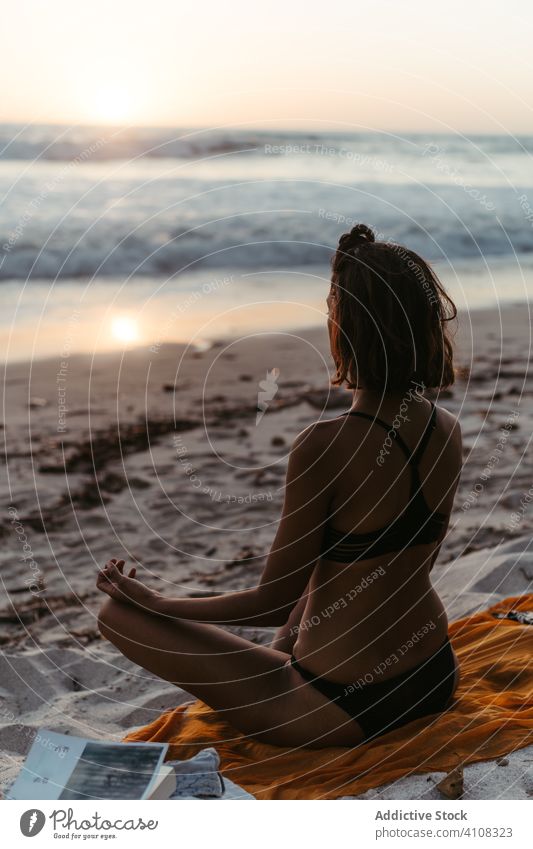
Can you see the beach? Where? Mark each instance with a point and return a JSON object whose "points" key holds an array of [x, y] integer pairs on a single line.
{"points": [[158, 455]]}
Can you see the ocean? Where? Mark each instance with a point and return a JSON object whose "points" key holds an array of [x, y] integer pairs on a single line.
{"points": [[186, 235]]}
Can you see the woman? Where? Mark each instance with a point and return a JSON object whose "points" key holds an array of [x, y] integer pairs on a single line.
{"points": [[362, 647]]}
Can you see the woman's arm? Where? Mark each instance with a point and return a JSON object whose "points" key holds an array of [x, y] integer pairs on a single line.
{"points": [[291, 560], [457, 441]]}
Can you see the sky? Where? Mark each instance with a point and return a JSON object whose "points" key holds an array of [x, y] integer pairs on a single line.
{"points": [[407, 65]]}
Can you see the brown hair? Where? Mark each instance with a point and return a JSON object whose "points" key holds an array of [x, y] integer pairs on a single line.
{"points": [[388, 317]]}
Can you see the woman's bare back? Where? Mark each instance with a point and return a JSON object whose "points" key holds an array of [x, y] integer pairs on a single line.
{"points": [[380, 613]]}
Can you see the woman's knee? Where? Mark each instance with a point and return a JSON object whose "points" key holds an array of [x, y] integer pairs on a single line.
{"points": [[284, 639], [111, 619]]}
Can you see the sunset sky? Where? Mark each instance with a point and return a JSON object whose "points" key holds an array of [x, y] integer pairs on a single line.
{"points": [[343, 63]]}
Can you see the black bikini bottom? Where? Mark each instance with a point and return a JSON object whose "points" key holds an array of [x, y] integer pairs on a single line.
{"points": [[381, 706]]}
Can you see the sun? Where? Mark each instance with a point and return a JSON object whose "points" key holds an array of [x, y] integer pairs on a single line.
{"points": [[125, 329], [112, 103]]}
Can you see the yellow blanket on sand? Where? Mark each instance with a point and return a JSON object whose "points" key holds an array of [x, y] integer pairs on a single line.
{"points": [[492, 716]]}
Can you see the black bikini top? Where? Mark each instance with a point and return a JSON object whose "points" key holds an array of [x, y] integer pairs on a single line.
{"points": [[416, 525]]}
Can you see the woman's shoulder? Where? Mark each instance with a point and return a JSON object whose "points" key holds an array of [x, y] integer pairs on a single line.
{"points": [[449, 422], [317, 435], [449, 439], [320, 438], [321, 446], [312, 446], [309, 439]]}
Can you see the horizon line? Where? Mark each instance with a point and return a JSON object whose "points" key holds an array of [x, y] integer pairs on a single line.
{"points": [[261, 129]]}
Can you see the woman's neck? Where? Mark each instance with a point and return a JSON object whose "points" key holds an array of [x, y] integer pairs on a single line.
{"points": [[372, 399]]}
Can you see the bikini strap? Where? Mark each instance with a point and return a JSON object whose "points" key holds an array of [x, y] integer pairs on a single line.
{"points": [[391, 430], [413, 457]]}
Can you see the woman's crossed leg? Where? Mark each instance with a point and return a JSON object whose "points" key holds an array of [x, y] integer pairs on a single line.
{"points": [[254, 688]]}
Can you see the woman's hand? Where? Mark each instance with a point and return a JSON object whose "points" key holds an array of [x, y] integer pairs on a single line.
{"points": [[112, 581]]}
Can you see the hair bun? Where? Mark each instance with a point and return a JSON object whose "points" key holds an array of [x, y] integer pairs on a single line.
{"points": [[358, 235]]}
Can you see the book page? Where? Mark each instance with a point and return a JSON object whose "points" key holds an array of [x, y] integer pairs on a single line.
{"points": [[60, 766]]}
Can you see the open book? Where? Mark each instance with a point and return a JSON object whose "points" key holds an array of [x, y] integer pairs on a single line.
{"points": [[59, 766]]}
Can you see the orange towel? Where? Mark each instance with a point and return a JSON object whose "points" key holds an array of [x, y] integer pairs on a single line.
{"points": [[492, 716]]}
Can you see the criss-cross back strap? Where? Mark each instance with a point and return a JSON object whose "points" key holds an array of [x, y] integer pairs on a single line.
{"points": [[415, 456], [391, 430]]}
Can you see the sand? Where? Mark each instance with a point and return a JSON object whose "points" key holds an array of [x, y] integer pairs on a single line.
{"points": [[192, 491]]}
